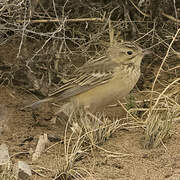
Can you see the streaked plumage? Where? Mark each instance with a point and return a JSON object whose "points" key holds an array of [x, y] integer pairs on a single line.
{"points": [[99, 82]]}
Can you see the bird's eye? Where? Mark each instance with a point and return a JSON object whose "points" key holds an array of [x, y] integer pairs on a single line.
{"points": [[129, 52]]}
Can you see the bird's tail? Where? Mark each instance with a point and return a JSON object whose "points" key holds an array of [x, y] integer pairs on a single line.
{"points": [[35, 104]]}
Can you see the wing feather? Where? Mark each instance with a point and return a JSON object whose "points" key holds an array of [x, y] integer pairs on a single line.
{"points": [[85, 78]]}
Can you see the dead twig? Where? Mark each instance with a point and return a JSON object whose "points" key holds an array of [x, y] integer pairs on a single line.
{"points": [[171, 18], [60, 20], [144, 14], [160, 68]]}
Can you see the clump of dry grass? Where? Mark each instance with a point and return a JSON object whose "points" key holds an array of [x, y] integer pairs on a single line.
{"points": [[97, 128], [88, 131], [158, 128]]}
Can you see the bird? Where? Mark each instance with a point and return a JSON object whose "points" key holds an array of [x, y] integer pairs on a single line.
{"points": [[102, 81]]}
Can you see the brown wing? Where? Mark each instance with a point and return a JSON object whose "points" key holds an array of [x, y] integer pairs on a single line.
{"points": [[87, 77]]}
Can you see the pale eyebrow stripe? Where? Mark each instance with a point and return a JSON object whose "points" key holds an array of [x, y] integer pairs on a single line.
{"points": [[131, 46]]}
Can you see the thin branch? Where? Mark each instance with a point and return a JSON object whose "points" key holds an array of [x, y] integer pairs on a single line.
{"points": [[60, 20]]}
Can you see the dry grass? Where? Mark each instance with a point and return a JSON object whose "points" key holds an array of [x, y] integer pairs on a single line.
{"points": [[158, 128], [88, 131]]}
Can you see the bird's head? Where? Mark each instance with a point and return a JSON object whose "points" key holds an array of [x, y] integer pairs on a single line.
{"points": [[126, 53]]}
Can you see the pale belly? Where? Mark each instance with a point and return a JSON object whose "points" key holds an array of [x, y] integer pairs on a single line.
{"points": [[105, 94]]}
